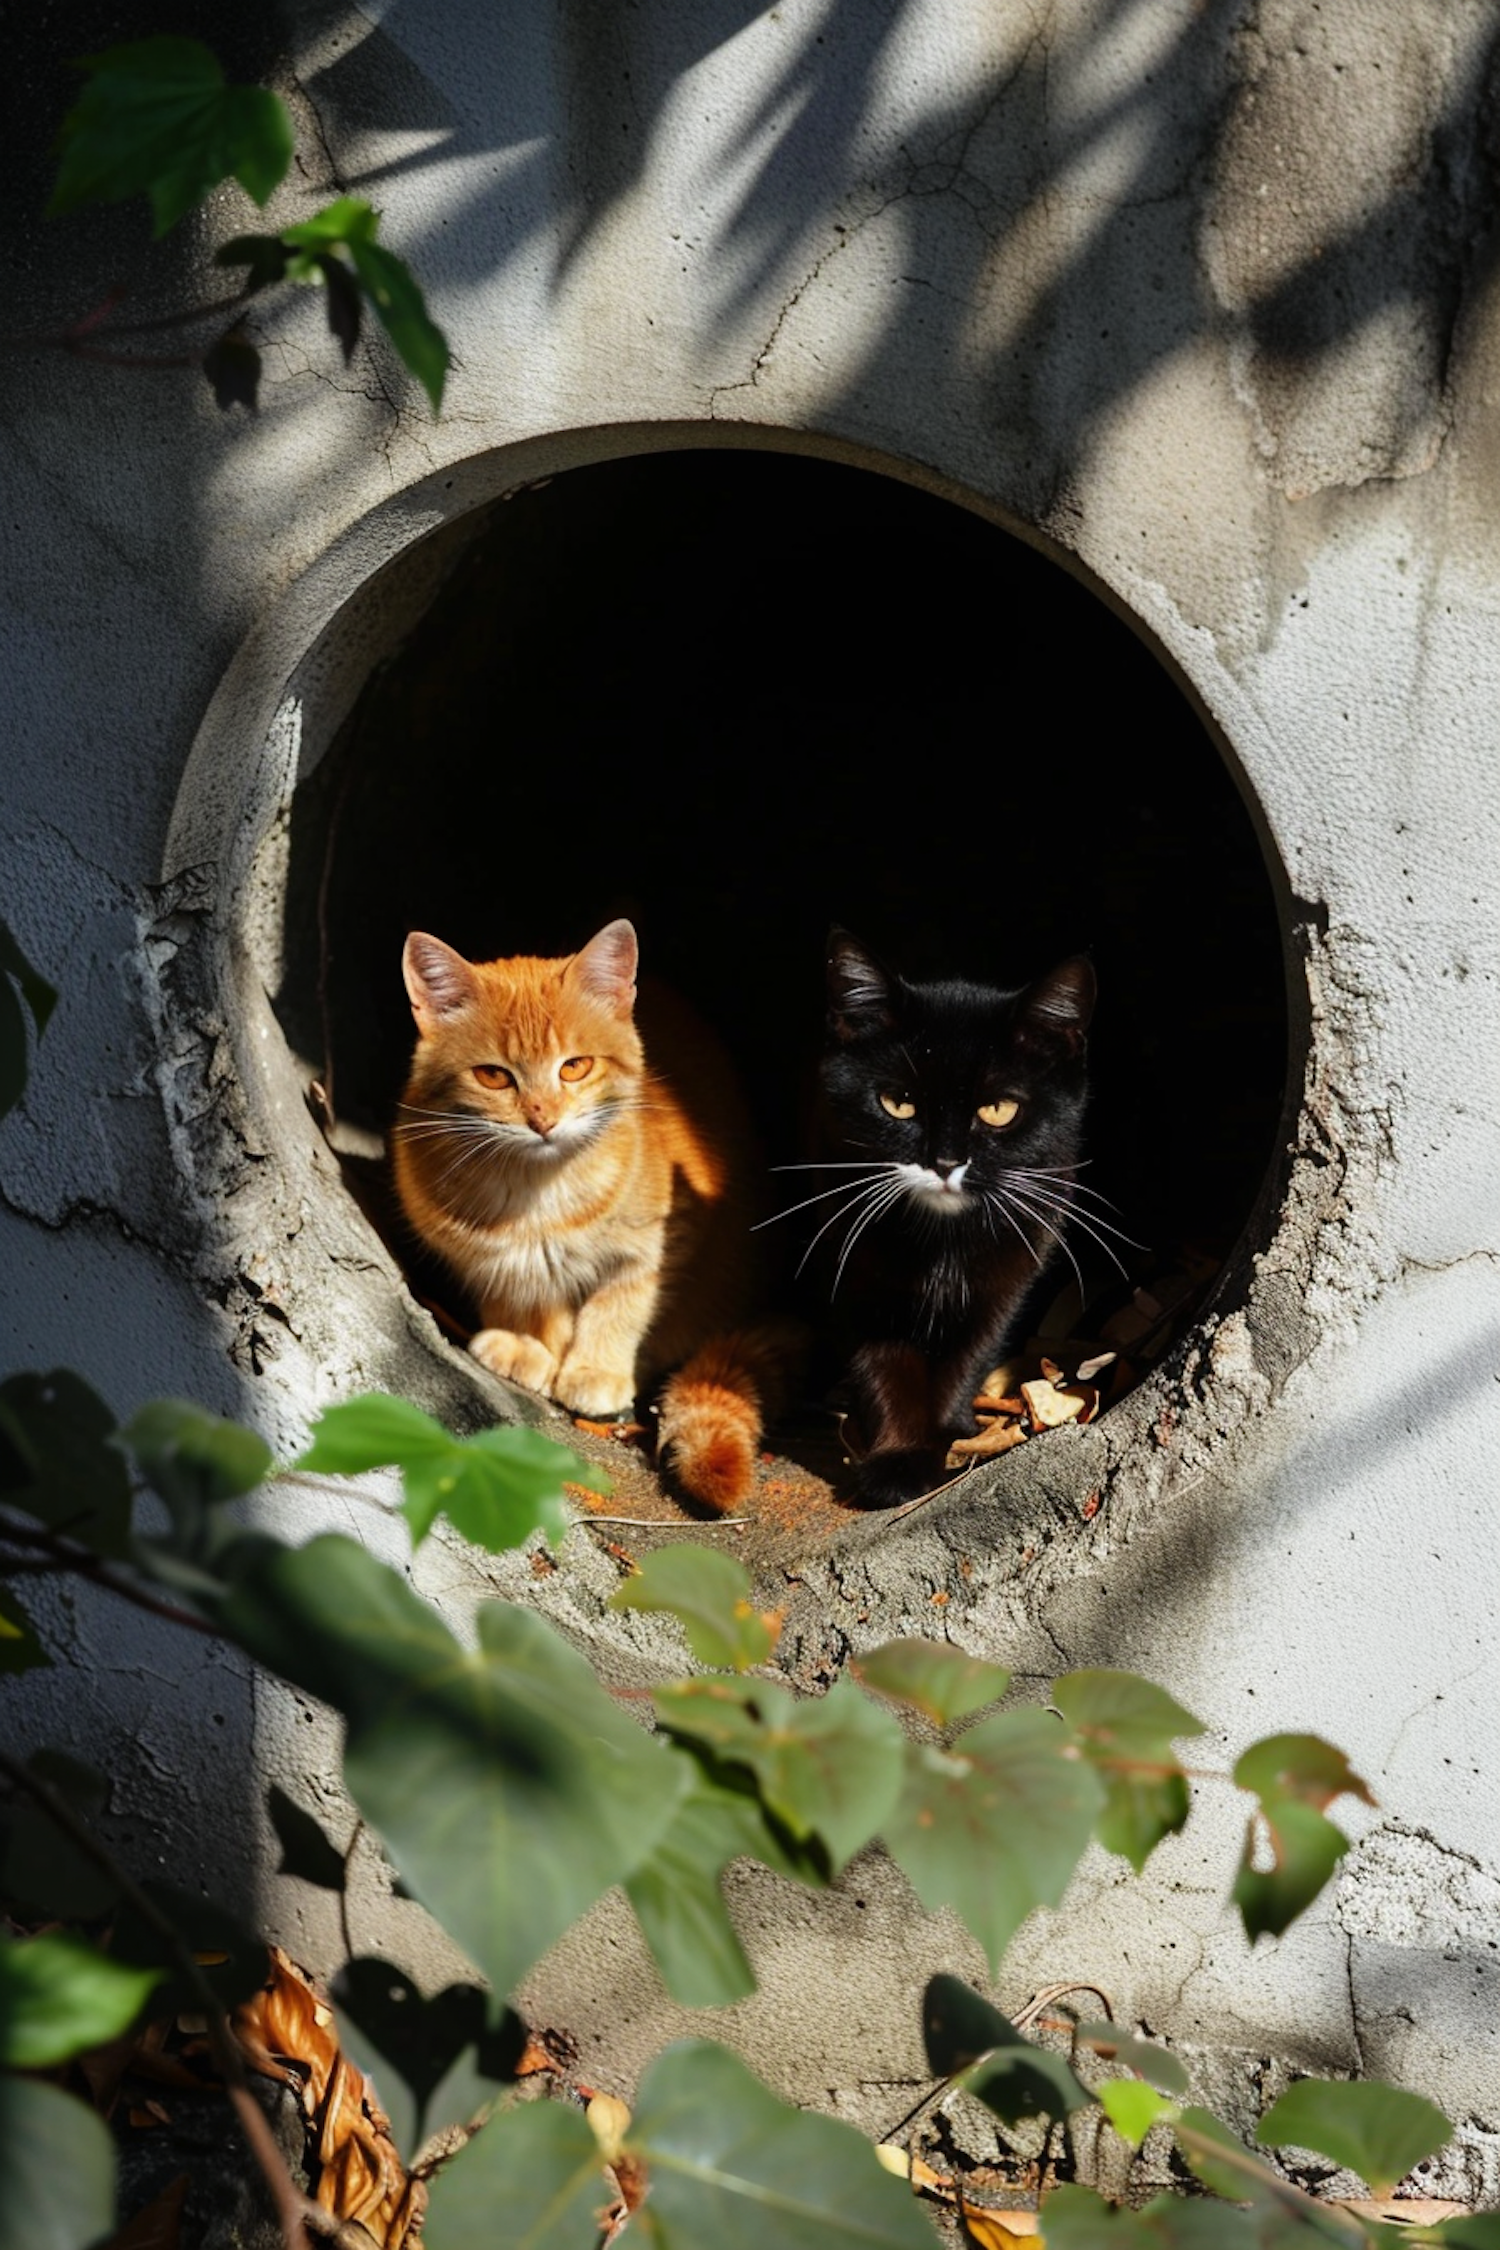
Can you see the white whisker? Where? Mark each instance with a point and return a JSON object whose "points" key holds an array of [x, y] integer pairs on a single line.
{"points": [[876, 1210], [879, 1166], [844, 1187], [1090, 1221], [994, 1200], [857, 1195], [1039, 1218]]}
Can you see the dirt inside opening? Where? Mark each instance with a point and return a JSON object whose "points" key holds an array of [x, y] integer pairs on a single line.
{"points": [[739, 696]]}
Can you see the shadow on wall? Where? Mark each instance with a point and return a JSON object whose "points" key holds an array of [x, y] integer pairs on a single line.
{"points": [[1319, 193]]}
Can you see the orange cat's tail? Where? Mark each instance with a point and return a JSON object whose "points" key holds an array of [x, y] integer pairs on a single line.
{"points": [[710, 1414]]}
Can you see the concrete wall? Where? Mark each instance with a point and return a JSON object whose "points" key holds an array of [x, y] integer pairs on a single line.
{"points": [[1203, 301]]}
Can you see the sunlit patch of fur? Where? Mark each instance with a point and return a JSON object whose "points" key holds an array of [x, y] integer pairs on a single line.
{"points": [[605, 1217]]}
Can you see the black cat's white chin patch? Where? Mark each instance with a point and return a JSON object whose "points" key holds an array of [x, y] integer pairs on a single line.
{"points": [[935, 1191]]}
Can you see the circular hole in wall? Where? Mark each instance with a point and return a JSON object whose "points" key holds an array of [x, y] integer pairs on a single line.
{"points": [[739, 696]]}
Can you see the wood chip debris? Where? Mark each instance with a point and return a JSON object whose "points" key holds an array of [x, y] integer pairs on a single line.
{"points": [[1012, 1408]]}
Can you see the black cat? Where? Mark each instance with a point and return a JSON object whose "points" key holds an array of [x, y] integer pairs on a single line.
{"points": [[952, 1115]]}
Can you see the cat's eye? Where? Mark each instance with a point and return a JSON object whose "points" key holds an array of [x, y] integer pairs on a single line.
{"points": [[999, 1113], [897, 1105], [576, 1067], [493, 1075]]}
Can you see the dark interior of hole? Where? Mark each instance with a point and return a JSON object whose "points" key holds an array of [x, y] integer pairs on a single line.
{"points": [[739, 696]]}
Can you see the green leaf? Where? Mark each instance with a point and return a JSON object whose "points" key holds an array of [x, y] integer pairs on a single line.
{"points": [[436, 2062], [1305, 1849], [943, 1683], [374, 1432], [710, 1595], [57, 1464], [496, 1487], [392, 289], [1300, 1768], [995, 1825], [1475, 2230], [1157, 2065], [40, 998], [1224, 2164], [959, 2026], [828, 1767], [195, 1460], [338, 225], [1075, 2218], [509, 1791], [1126, 1727], [57, 2169], [1376, 2131], [305, 1849], [350, 224], [59, 1997], [1004, 2069], [540, 2166], [504, 1485], [1295, 1776], [157, 118], [20, 1649], [1133, 2107], [677, 1899], [731, 2166]]}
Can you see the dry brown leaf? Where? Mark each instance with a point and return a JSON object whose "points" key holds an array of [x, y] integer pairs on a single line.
{"points": [[893, 2158], [288, 2031], [1051, 1372], [1403, 2210], [995, 2230], [1012, 1403], [1089, 1368], [1049, 1407], [1089, 1396], [996, 1437], [1004, 1380], [609, 2122]]}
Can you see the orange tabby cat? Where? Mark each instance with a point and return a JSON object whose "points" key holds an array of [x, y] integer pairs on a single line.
{"points": [[591, 1205]]}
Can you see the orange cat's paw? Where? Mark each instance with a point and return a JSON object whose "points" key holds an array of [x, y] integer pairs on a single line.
{"points": [[521, 1359], [606, 1394]]}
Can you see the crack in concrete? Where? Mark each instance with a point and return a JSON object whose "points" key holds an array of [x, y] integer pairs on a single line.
{"points": [[846, 235], [1355, 2035], [83, 1212]]}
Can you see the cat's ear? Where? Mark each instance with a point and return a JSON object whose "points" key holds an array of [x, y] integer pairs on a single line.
{"points": [[861, 995], [606, 967], [439, 982], [1057, 1009]]}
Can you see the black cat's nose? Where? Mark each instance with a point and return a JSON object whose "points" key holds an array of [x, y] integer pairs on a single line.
{"points": [[943, 1165]]}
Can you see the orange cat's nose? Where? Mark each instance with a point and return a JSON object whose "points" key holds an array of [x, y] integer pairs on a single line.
{"points": [[540, 1119]]}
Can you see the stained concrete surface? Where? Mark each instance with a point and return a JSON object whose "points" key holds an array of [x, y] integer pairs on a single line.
{"points": [[1201, 304]]}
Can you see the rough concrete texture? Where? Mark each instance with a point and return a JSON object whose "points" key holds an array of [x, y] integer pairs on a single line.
{"points": [[1202, 301]]}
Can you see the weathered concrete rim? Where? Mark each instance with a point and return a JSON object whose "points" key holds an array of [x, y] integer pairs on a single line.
{"points": [[1266, 1317]]}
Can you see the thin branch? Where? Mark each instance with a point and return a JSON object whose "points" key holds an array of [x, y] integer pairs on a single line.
{"points": [[660, 1523], [63, 1555], [292, 2207], [75, 337]]}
